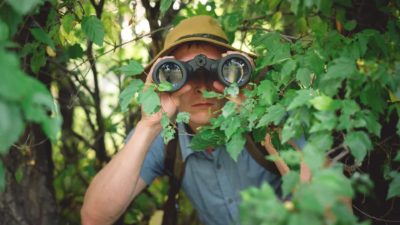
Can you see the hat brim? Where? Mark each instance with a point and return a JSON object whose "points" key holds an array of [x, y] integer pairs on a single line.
{"points": [[168, 50]]}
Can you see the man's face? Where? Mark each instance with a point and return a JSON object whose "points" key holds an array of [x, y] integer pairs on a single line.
{"points": [[201, 109]]}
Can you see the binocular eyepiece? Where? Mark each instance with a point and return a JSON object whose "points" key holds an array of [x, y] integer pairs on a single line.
{"points": [[233, 68]]}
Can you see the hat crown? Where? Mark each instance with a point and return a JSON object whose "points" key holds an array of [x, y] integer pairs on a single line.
{"points": [[197, 26]]}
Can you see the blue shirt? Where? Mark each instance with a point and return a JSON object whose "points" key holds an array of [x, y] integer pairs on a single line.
{"points": [[212, 181]]}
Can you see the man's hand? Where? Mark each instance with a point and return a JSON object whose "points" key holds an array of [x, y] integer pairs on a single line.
{"points": [[169, 101]]}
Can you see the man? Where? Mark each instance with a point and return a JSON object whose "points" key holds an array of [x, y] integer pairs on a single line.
{"points": [[212, 180]]}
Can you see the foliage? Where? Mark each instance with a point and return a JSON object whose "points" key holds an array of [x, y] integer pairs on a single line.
{"points": [[23, 99], [322, 73]]}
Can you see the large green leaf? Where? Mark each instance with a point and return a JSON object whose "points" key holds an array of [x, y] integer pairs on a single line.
{"points": [[267, 91], [23, 6], [40, 35], [41, 108], [302, 98], [150, 101], [289, 182], [128, 93], [274, 114], [304, 76], [394, 186], [359, 144], [93, 28], [236, 144], [133, 68], [68, 21], [207, 138], [13, 85], [12, 125]]}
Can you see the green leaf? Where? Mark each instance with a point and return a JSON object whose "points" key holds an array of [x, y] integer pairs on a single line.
{"points": [[183, 117], [164, 6], [394, 186], [229, 109], [4, 31], [42, 36], [68, 21], [93, 29], [291, 157], [38, 60], [274, 114], [12, 125], [322, 102], [288, 131], [302, 98], [359, 143], [150, 101], [75, 51], [304, 76], [207, 138], [350, 25], [168, 132], [232, 90], [23, 6], [267, 92], [289, 182], [342, 68], [288, 68], [133, 68], [277, 51], [314, 157], [165, 86], [230, 126], [333, 181], [235, 145], [128, 93], [212, 94], [40, 107], [397, 158], [231, 21]]}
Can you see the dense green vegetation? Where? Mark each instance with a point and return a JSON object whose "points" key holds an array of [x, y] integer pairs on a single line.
{"points": [[327, 70]]}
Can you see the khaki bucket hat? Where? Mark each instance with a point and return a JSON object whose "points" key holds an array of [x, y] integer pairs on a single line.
{"points": [[197, 28]]}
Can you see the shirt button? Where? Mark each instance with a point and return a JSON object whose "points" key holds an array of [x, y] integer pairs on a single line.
{"points": [[230, 200], [218, 166]]}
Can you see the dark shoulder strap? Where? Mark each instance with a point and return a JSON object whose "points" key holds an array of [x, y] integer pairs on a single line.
{"points": [[175, 168], [255, 150]]}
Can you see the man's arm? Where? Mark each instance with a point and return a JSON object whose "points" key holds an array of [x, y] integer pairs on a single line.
{"points": [[117, 184]]}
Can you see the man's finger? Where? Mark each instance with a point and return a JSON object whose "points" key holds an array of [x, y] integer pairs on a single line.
{"points": [[182, 91], [218, 86]]}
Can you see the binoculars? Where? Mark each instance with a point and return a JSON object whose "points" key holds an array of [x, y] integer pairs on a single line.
{"points": [[233, 68]]}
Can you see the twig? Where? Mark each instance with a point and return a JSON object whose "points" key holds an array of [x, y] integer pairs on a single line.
{"points": [[340, 156], [374, 217], [122, 44]]}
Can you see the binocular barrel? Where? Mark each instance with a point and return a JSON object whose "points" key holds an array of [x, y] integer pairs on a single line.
{"points": [[233, 68]]}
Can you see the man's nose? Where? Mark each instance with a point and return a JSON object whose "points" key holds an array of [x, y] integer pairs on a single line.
{"points": [[202, 82]]}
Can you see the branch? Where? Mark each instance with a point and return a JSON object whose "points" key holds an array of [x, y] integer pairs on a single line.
{"points": [[122, 44], [84, 140], [374, 217]]}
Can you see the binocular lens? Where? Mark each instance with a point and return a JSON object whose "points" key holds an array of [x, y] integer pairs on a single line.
{"points": [[170, 72], [233, 70]]}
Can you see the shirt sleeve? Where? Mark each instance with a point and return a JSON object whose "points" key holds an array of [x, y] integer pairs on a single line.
{"points": [[153, 165]]}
